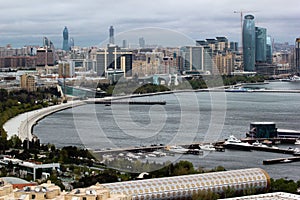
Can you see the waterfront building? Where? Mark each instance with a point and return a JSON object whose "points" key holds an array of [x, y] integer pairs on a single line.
{"points": [[260, 44], [111, 35], [65, 46], [249, 43], [114, 58], [297, 55], [183, 187], [27, 82]]}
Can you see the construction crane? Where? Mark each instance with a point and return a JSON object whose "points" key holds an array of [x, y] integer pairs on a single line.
{"points": [[241, 12]]}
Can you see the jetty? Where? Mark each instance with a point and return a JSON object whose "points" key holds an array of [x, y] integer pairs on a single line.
{"points": [[281, 160], [109, 102]]}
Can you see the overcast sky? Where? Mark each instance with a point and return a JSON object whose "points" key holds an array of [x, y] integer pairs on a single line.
{"points": [[27, 22]]}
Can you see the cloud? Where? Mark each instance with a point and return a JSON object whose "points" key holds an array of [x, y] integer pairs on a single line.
{"points": [[88, 21]]}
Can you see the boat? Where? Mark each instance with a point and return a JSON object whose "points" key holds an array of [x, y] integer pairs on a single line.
{"points": [[297, 141], [238, 89], [207, 147], [296, 152], [181, 150], [233, 143], [177, 149], [258, 144], [286, 161], [291, 79]]}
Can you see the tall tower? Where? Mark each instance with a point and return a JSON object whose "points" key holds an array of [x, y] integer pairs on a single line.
{"points": [[111, 35], [66, 39], [297, 56], [260, 44], [249, 43]]}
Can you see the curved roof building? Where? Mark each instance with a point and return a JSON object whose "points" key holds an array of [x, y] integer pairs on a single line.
{"points": [[185, 186], [249, 43]]}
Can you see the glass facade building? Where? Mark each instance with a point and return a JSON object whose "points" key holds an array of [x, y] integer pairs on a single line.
{"points": [[297, 56], [261, 44], [269, 50], [65, 39], [249, 43]]}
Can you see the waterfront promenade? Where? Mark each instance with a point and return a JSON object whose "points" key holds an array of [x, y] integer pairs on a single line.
{"points": [[22, 124]]}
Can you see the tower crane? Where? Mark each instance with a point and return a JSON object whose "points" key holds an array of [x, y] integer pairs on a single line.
{"points": [[241, 12]]}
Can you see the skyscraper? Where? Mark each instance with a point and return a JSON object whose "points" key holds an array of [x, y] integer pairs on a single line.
{"points": [[249, 43], [297, 56], [72, 42], [261, 44], [269, 50], [193, 58], [66, 39], [114, 58], [142, 42], [111, 35]]}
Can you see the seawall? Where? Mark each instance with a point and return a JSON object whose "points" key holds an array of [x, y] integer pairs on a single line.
{"points": [[22, 124]]}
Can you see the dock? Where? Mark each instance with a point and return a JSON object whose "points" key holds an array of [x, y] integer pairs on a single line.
{"points": [[272, 149], [131, 102], [281, 160]]}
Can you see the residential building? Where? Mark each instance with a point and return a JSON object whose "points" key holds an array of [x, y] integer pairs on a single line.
{"points": [[27, 82], [297, 55]]}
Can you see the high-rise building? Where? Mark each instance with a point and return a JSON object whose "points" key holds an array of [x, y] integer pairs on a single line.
{"points": [[72, 42], [124, 44], [260, 44], [66, 39], [66, 70], [249, 43], [44, 57], [297, 56], [193, 58], [142, 42], [269, 50], [114, 58], [234, 46], [111, 35]]}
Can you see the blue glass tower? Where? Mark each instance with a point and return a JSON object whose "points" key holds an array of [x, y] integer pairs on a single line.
{"points": [[66, 39], [261, 44], [249, 43]]}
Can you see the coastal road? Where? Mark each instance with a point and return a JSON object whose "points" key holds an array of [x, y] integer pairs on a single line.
{"points": [[22, 124]]}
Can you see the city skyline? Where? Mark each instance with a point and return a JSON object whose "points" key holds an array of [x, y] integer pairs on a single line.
{"points": [[27, 23]]}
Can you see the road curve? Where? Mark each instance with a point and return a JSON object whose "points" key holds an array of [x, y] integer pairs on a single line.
{"points": [[22, 124]]}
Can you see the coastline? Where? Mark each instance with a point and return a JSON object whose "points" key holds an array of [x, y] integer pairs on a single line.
{"points": [[22, 124]]}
